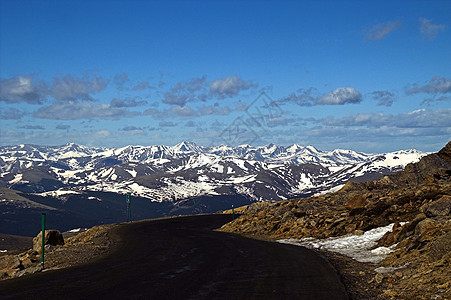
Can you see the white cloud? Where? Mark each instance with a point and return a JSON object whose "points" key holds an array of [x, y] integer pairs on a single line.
{"points": [[11, 114], [167, 124], [71, 110], [416, 119], [121, 80], [381, 30], [183, 111], [190, 124], [430, 31], [127, 102], [304, 97], [22, 89], [71, 88], [231, 86], [65, 88], [62, 126], [310, 97], [341, 96], [142, 86], [384, 98], [214, 110], [186, 91], [32, 127], [437, 85]]}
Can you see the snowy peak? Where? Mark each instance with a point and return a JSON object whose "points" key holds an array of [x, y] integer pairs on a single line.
{"points": [[397, 159], [164, 173], [187, 147], [77, 156]]}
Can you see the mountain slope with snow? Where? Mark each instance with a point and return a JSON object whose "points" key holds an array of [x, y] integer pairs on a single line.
{"points": [[186, 170]]}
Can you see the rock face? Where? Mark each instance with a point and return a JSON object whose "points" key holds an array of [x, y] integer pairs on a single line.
{"points": [[420, 196], [441, 207], [52, 238], [29, 262], [78, 249], [19, 265]]}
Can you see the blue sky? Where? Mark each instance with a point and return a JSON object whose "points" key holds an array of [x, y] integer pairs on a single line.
{"points": [[371, 76]]}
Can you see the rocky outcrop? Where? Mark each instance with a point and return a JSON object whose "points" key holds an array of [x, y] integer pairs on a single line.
{"points": [[51, 238], [441, 207], [418, 197], [78, 249], [29, 262], [19, 265]]}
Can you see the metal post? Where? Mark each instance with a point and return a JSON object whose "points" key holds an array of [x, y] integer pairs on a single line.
{"points": [[129, 213], [233, 213], [43, 241]]}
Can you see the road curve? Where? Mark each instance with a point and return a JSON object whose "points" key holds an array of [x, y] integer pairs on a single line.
{"points": [[183, 258]]}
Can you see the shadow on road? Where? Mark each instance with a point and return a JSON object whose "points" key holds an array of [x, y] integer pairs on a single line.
{"points": [[183, 258]]}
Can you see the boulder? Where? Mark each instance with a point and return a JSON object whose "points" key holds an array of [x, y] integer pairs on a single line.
{"points": [[52, 237], [424, 226], [441, 207], [441, 246], [356, 202]]}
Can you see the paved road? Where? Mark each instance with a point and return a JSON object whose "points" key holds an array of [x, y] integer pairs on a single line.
{"points": [[183, 258]]}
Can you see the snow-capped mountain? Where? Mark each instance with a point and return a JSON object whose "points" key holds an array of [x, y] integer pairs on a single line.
{"points": [[76, 156], [80, 186], [186, 170]]}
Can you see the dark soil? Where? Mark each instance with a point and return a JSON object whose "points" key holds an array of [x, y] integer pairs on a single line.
{"points": [[15, 242]]}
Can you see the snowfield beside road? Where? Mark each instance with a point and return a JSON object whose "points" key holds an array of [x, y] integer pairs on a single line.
{"points": [[358, 247]]}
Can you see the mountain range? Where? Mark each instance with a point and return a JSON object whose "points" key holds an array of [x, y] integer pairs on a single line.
{"points": [[186, 178]]}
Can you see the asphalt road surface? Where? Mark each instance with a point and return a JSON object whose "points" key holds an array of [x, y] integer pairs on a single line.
{"points": [[183, 258]]}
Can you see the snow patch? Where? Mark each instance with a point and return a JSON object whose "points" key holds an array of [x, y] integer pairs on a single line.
{"points": [[132, 172], [398, 158], [244, 179], [59, 193], [18, 178], [358, 247]]}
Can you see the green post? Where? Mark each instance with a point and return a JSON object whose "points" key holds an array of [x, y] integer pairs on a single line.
{"points": [[129, 212], [233, 213], [43, 241]]}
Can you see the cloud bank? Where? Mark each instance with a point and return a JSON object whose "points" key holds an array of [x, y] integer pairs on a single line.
{"points": [[339, 96], [199, 89], [228, 87], [71, 110], [22, 89]]}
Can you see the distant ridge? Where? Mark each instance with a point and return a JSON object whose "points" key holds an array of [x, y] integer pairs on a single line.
{"points": [[84, 186], [27, 155], [186, 170]]}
